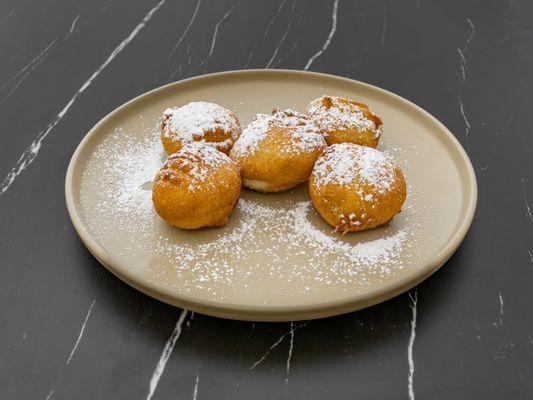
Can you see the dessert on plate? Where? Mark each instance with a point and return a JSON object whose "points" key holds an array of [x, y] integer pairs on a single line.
{"points": [[345, 121], [277, 152], [354, 188], [352, 185], [198, 186], [199, 121]]}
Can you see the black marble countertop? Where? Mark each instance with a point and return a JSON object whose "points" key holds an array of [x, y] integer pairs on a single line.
{"points": [[71, 330]]}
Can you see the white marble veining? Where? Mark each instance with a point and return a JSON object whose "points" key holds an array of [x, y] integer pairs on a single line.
{"points": [[472, 33], [278, 46], [177, 71], [31, 152], [500, 300], [265, 355], [165, 354], [296, 43], [504, 38], [529, 213], [74, 348], [191, 317], [195, 390], [290, 334], [186, 29], [80, 335], [19, 77], [411, 392], [50, 394], [328, 39], [463, 64], [250, 54], [74, 22], [467, 123], [273, 19], [277, 343], [215, 34], [289, 355], [13, 11], [384, 25]]}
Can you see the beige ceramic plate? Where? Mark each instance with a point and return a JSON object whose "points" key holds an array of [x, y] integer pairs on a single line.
{"points": [[276, 260]]}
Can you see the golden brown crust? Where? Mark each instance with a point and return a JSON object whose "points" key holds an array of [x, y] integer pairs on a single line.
{"points": [[345, 121], [219, 127], [185, 200], [277, 170], [172, 143], [277, 152], [358, 205]]}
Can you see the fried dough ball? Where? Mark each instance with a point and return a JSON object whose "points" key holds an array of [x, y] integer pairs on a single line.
{"points": [[277, 152], [198, 186], [356, 188], [345, 121], [199, 122]]}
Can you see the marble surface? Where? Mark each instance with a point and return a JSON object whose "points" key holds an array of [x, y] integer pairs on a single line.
{"points": [[71, 330]]}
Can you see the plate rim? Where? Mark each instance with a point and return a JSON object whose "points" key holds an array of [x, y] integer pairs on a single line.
{"points": [[275, 313]]}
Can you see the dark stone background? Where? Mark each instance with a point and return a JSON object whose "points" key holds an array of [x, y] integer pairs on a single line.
{"points": [[474, 332]]}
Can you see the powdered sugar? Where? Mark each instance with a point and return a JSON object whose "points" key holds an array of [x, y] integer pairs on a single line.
{"points": [[193, 121], [270, 241], [297, 248], [306, 136], [380, 250], [333, 113], [119, 178], [346, 163], [198, 160]]}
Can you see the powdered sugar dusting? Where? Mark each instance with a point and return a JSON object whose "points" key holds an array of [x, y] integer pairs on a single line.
{"points": [[276, 241], [346, 163], [380, 250], [298, 249], [193, 121], [333, 113], [119, 177], [137, 167], [306, 135], [198, 159]]}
